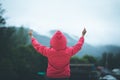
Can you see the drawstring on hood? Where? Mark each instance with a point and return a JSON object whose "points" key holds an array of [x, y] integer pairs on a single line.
{"points": [[58, 41]]}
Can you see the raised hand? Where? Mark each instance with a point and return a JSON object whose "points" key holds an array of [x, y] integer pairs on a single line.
{"points": [[30, 33], [84, 32]]}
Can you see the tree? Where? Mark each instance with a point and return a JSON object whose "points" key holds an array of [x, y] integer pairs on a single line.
{"points": [[90, 59], [110, 60], [2, 19], [85, 59], [6, 40], [18, 61], [21, 36], [103, 60], [6, 45], [75, 60]]}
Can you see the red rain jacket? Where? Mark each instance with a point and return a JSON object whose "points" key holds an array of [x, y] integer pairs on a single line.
{"points": [[58, 54]]}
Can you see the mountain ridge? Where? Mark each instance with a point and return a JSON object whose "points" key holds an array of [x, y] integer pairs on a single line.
{"points": [[86, 49]]}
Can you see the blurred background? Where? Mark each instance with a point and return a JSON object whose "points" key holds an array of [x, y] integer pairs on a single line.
{"points": [[19, 60]]}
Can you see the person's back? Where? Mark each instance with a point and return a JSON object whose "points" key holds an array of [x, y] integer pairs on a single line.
{"points": [[58, 54]]}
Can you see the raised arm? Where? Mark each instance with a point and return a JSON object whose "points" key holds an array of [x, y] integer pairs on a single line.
{"points": [[79, 44], [38, 47]]}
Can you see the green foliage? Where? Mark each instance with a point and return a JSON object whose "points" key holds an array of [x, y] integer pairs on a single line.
{"points": [[6, 42], [21, 36], [84, 59], [110, 60], [18, 59], [75, 60], [90, 59], [2, 19]]}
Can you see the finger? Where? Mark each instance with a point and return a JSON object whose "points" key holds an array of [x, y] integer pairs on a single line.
{"points": [[84, 28]]}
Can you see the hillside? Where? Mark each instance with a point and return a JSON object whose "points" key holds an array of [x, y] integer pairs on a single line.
{"points": [[87, 48]]}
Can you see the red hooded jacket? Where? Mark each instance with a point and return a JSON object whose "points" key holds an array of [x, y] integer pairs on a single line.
{"points": [[58, 54]]}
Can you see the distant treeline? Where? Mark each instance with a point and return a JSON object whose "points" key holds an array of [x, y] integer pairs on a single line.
{"points": [[19, 60]]}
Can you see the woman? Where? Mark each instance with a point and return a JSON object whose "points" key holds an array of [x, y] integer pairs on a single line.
{"points": [[58, 54]]}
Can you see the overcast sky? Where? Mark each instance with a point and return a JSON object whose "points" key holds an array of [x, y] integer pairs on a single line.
{"points": [[100, 17]]}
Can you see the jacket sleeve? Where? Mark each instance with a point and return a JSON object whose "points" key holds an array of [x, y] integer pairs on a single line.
{"points": [[77, 47], [39, 47]]}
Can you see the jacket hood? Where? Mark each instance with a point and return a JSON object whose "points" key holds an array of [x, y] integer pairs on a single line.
{"points": [[58, 41]]}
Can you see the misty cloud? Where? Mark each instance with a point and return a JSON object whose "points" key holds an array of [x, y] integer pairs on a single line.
{"points": [[101, 17]]}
